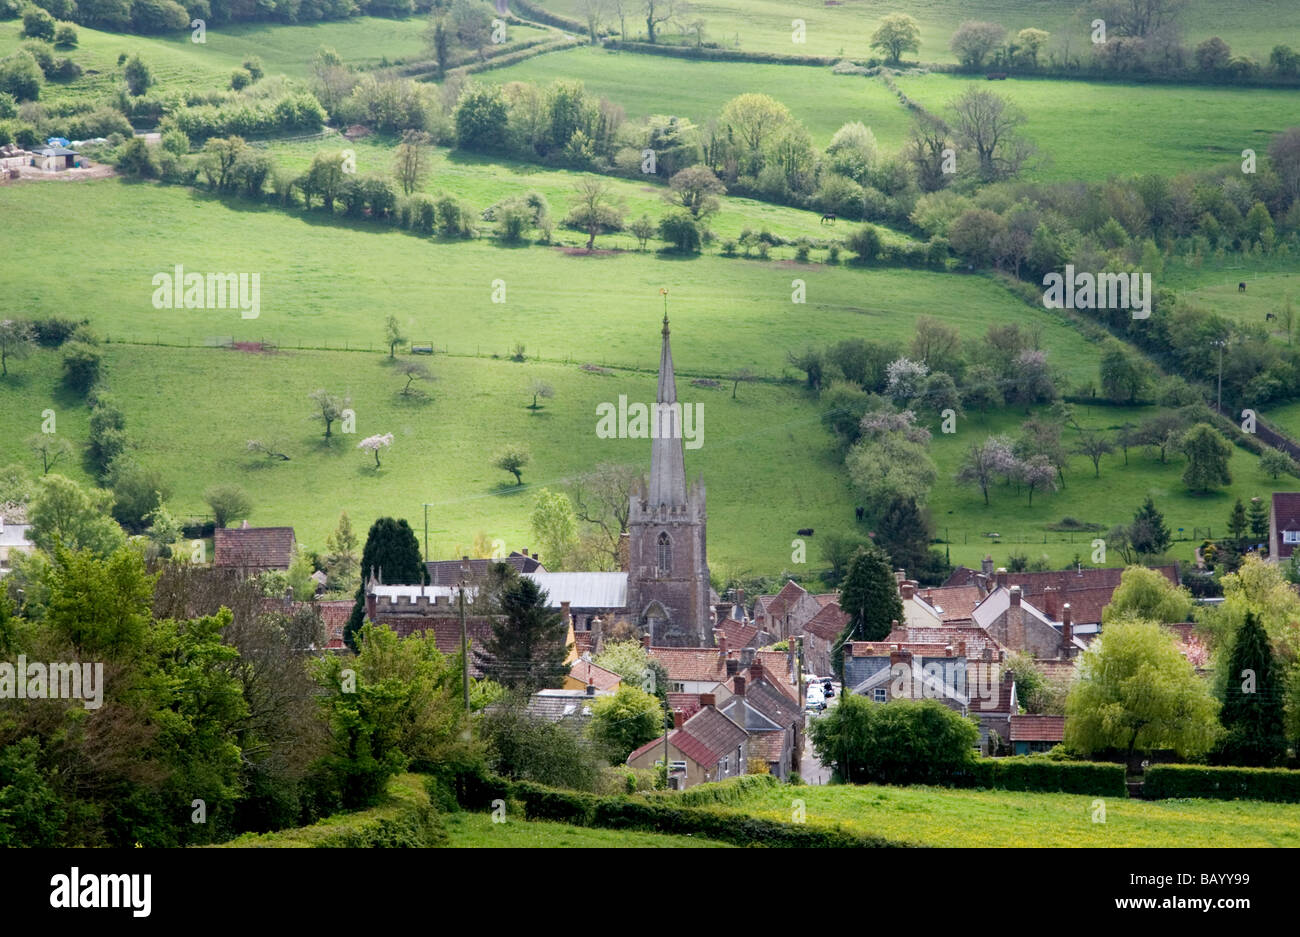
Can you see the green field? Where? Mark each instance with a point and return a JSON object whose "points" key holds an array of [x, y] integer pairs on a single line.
{"points": [[935, 816], [477, 831], [845, 29]]}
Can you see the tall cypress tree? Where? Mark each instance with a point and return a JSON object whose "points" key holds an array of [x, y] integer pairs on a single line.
{"points": [[1237, 524], [392, 552], [1253, 704], [1258, 515], [1148, 532], [870, 598], [526, 649]]}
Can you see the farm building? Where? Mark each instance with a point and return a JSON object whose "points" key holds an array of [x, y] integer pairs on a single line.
{"points": [[54, 158]]}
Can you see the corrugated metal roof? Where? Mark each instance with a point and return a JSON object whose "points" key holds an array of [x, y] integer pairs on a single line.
{"points": [[13, 535], [584, 590]]}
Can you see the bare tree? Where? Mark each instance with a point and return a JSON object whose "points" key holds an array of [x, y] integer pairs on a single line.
{"points": [[414, 371], [15, 342], [988, 124], [1138, 17], [661, 11], [1094, 445], [602, 499], [738, 375], [49, 448], [539, 388], [928, 139], [331, 407], [411, 160], [594, 13]]}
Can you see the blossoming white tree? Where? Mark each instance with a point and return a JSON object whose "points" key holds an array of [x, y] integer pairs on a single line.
{"points": [[375, 443]]}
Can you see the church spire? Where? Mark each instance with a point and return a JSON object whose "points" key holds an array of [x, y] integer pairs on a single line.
{"points": [[667, 465]]}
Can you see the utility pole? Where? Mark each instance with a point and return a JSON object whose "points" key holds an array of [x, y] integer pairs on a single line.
{"points": [[1220, 343], [426, 536], [464, 639]]}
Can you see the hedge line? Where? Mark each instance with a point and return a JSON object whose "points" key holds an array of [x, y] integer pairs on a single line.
{"points": [[1279, 785], [657, 814], [533, 12], [405, 819], [1027, 773], [705, 53]]}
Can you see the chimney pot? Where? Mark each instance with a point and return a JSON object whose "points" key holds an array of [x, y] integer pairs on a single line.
{"points": [[720, 639], [740, 685], [756, 671], [906, 589], [1002, 576], [678, 718], [591, 689], [1015, 595]]}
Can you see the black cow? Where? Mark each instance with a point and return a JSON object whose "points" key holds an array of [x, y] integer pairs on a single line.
{"points": [[1268, 316], [829, 216], [1241, 287], [860, 511], [805, 532]]}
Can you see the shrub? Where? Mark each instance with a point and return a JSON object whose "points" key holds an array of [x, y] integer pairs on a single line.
{"points": [[1046, 775], [38, 24], [896, 743], [52, 332], [65, 36], [82, 366], [1280, 785], [240, 79], [99, 123], [865, 242], [21, 76], [136, 158], [680, 229]]}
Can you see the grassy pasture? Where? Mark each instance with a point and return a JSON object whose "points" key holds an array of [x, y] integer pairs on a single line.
{"points": [[477, 831], [944, 817], [845, 28]]}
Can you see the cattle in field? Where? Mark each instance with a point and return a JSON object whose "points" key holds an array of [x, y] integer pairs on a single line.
{"points": [[860, 511], [805, 532], [829, 217], [1268, 316], [1241, 287]]}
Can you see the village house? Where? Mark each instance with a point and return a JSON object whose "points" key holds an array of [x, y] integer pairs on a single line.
{"points": [[253, 549], [820, 634], [1030, 734], [1017, 626], [783, 615], [708, 746], [773, 720], [1283, 525], [13, 540], [583, 674]]}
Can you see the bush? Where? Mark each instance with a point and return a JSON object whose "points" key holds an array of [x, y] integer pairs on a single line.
{"points": [[1046, 775], [53, 331], [21, 77], [38, 24], [1279, 785], [680, 229], [240, 79], [65, 36], [82, 366], [99, 123], [896, 743], [865, 242], [136, 158]]}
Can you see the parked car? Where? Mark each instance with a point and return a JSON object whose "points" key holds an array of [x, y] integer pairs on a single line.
{"points": [[816, 700], [827, 690]]}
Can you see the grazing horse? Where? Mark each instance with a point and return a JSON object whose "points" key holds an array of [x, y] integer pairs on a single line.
{"points": [[1268, 317], [829, 216], [1241, 287], [805, 532]]}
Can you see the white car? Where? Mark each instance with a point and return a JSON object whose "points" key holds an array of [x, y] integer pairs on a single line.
{"points": [[816, 700]]}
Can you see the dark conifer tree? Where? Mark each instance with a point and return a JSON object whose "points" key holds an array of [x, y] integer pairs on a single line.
{"points": [[392, 553]]}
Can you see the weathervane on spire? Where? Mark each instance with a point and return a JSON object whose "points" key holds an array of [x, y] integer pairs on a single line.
{"points": [[663, 291]]}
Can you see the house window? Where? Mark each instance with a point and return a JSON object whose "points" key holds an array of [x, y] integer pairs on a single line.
{"points": [[880, 694], [1291, 536], [664, 554], [676, 688]]}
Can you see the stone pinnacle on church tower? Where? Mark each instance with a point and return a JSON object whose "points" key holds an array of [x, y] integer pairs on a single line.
{"points": [[667, 463]]}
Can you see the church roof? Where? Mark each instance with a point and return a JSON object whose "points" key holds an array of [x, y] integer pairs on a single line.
{"points": [[583, 590], [667, 462]]}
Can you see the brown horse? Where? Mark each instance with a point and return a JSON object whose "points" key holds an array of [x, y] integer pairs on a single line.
{"points": [[829, 216]]}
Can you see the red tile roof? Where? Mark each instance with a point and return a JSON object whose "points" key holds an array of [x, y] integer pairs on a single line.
{"points": [[977, 639], [737, 633], [253, 547], [1286, 511], [587, 672], [770, 746], [688, 703], [333, 613], [829, 623], [1088, 589], [957, 602], [691, 663], [1037, 728], [705, 738], [446, 632], [777, 605], [776, 668]]}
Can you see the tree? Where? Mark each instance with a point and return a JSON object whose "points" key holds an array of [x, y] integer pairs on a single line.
{"points": [[1123, 376], [601, 499], [680, 229], [1275, 462], [630, 661], [411, 160], [1258, 515], [1284, 158], [1028, 44], [393, 335], [1147, 595], [1213, 55], [1237, 524], [392, 555], [896, 34], [556, 527], [331, 80], [643, 229], [1136, 692], [137, 76], [21, 76], [228, 503], [985, 461], [594, 13], [624, 721], [37, 24], [865, 241], [1036, 473], [597, 208], [658, 12], [1094, 445], [903, 531], [512, 459], [373, 444], [526, 648], [753, 121], [1254, 705], [330, 407], [138, 493], [62, 512], [1148, 532], [891, 466], [83, 363], [341, 561], [989, 124], [325, 178], [222, 154], [539, 388], [974, 41], [413, 371], [1207, 458], [49, 448], [695, 189], [903, 742], [869, 596], [15, 342]]}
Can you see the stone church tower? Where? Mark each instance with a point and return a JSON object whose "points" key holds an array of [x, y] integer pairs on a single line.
{"points": [[668, 571]]}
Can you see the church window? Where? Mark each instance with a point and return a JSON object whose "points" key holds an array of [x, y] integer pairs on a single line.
{"points": [[664, 554]]}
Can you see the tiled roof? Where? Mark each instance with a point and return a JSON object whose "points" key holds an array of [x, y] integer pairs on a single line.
{"points": [[777, 605], [827, 624], [776, 667], [447, 572], [688, 703], [691, 663], [708, 736], [772, 702], [599, 677], [334, 615], [827, 598], [1037, 728], [555, 705], [1286, 510], [737, 633], [253, 547], [952, 603], [1088, 589], [770, 746], [1058, 670], [976, 639]]}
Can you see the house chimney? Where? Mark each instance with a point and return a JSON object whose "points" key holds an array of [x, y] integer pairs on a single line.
{"points": [[591, 689], [899, 657], [564, 613], [524, 551], [740, 684], [1002, 576], [645, 641], [678, 718], [1015, 596], [1067, 628], [893, 625], [986, 565], [907, 590], [900, 575], [733, 667], [707, 699], [720, 639], [755, 671]]}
